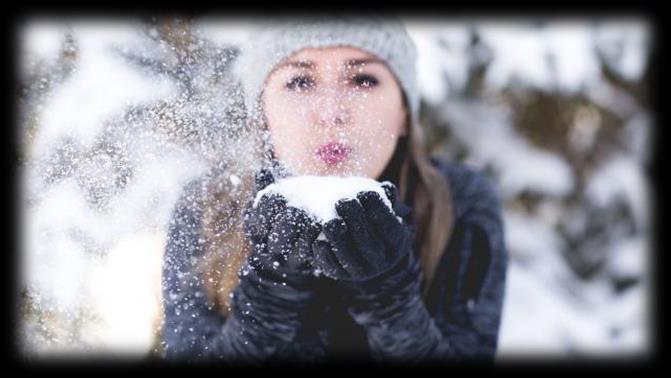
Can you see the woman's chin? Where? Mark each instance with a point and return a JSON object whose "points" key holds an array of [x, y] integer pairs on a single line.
{"points": [[328, 169], [319, 167], [342, 170]]}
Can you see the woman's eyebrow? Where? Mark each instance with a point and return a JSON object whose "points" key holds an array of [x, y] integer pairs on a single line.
{"points": [[359, 62], [298, 64]]}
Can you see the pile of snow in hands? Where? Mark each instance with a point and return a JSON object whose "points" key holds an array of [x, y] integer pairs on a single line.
{"points": [[318, 195]]}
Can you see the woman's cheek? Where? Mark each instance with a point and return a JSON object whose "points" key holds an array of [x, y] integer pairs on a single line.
{"points": [[292, 148], [372, 154], [285, 141]]}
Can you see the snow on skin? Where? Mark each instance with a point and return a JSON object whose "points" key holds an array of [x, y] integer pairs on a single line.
{"points": [[317, 195]]}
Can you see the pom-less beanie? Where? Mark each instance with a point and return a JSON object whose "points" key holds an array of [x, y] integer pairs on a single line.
{"points": [[273, 41]]}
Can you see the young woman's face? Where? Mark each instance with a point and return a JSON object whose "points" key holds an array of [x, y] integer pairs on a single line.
{"points": [[334, 111]]}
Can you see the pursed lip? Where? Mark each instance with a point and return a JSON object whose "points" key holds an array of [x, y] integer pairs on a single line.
{"points": [[333, 152]]}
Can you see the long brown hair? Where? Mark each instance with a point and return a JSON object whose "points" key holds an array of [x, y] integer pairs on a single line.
{"points": [[420, 184]]}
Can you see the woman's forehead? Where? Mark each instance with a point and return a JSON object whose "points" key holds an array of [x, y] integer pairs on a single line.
{"points": [[312, 57]]}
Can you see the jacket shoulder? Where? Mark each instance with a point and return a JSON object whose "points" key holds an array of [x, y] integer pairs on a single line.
{"points": [[186, 209], [194, 190], [472, 270], [185, 224], [471, 188]]}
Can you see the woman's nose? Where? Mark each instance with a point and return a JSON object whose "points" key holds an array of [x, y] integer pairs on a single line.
{"points": [[331, 109]]}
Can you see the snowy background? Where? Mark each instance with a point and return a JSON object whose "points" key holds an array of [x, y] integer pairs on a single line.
{"points": [[116, 116]]}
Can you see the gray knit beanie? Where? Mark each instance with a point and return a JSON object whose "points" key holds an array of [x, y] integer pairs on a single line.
{"points": [[273, 41]]}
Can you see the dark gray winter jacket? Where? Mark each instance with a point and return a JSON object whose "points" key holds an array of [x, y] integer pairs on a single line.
{"points": [[465, 298]]}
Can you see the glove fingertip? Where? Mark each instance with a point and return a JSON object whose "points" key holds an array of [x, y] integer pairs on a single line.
{"points": [[390, 190], [313, 231], [349, 208], [335, 228], [370, 199], [275, 202], [263, 178]]}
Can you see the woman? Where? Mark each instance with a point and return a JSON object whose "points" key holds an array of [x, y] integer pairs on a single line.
{"points": [[335, 97]]}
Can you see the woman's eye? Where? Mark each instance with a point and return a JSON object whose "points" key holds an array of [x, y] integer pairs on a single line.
{"points": [[365, 81], [300, 83]]}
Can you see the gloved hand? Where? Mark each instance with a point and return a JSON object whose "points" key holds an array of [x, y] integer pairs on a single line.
{"points": [[368, 242], [282, 237], [369, 253], [269, 304]]}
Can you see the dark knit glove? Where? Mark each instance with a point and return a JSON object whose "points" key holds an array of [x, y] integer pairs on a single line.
{"points": [[269, 304], [367, 241], [282, 237], [369, 252]]}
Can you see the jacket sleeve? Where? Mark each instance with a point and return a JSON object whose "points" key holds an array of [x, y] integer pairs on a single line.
{"points": [[466, 296], [190, 320], [253, 332], [459, 319]]}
